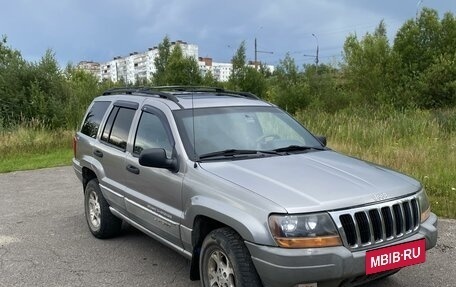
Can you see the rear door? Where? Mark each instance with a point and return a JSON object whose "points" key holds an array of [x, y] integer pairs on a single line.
{"points": [[110, 151]]}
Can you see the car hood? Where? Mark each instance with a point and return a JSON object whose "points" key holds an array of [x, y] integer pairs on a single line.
{"points": [[315, 181]]}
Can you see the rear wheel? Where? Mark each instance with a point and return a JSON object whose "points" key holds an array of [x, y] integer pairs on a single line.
{"points": [[102, 223], [226, 262]]}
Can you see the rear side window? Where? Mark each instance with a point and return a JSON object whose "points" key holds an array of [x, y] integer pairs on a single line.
{"points": [[93, 118], [118, 126]]}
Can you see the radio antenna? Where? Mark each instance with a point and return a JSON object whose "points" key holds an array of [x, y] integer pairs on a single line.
{"points": [[195, 165], [193, 129]]}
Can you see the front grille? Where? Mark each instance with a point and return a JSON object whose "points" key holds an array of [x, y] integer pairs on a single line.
{"points": [[376, 224]]}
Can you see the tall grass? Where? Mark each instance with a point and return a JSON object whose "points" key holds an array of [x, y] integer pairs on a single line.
{"points": [[33, 145], [419, 143]]}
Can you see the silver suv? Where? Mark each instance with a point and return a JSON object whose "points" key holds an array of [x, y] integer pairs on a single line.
{"points": [[244, 191]]}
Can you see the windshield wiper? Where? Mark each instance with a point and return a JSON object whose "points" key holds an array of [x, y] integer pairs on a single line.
{"points": [[235, 152], [292, 148]]}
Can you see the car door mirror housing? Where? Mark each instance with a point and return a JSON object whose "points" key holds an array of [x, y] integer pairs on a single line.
{"points": [[156, 157]]}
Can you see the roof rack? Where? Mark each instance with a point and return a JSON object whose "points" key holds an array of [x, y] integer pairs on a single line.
{"points": [[204, 89], [116, 91], [140, 90], [169, 92]]}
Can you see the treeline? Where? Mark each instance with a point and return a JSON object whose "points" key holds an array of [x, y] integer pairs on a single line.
{"points": [[41, 93], [417, 70]]}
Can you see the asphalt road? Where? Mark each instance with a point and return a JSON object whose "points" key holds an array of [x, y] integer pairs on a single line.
{"points": [[44, 241]]}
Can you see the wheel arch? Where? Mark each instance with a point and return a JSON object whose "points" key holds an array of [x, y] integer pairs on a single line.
{"points": [[208, 219], [87, 175]]}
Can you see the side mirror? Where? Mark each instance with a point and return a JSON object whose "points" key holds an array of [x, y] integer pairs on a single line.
{"points": [[156, 157], [322, 139]]}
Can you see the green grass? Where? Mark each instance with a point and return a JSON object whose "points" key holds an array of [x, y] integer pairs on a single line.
{"points": [[421, 144], [28, 161], [26, 148]]}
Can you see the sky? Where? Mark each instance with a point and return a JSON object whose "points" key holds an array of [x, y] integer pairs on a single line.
{"points": [[98, 30]]}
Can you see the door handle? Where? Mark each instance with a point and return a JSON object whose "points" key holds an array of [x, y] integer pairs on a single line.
{"points": [[133, 169], [98, 153]]}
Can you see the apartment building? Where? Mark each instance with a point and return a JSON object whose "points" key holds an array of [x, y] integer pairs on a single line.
{"points": [[140, 66], [220, 71], [91, 67]]}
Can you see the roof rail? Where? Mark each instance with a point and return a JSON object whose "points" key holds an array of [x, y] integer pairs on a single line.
{"points": [[115, 91], [187, 89], [204, 89], [141, 90], [169, 92]]}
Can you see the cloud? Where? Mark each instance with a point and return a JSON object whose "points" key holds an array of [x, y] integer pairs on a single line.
{"points": [[98, 30]]}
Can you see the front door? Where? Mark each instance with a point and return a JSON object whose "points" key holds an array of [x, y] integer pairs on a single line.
{"points": [[155, 193]]}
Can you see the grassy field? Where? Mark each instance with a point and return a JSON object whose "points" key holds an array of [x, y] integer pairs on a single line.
{"points": [[26, 148], [419, 143]]}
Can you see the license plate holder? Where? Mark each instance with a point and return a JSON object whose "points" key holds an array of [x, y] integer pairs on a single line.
{"points": [[395, 256]]}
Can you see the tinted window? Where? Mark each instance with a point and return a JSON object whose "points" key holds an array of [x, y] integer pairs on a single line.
{"points": [[151, 133], [93, 118], [118, 126], [108, 125]]}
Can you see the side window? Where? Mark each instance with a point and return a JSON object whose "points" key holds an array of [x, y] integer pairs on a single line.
{"points": [[93, 118], [108, 126], [151, 133], [118, 126]]}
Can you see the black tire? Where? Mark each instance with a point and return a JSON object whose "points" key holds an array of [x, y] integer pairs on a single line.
{"points": [[237, 268], [102, 223]]}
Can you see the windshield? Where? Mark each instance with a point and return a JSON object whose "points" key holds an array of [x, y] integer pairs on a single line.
{"points": [[240, 128]]}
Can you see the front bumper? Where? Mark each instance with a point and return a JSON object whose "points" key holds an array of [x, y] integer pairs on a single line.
{"points": [[330, 266]]}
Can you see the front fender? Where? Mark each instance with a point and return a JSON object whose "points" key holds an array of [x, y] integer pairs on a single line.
{"points": [[247, 220]]}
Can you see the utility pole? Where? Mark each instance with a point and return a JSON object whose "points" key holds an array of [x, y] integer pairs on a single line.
{"points": [[318, 48], [258, 51]]}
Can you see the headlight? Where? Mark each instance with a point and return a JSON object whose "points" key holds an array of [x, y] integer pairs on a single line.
{"points": [[425, 206], [304, 231]]}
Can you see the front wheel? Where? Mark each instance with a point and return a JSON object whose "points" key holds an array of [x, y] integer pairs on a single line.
{"points": [[226, 262]]}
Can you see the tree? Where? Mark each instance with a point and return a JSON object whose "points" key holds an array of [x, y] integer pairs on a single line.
{"points": [[48, 92], [369, 66], [288, 90], [182, 70], [426, 49], [209, 80], [437, 84], [324, 88], [254, 82], [417, 42], [245, 78], [12, 70], [161, 61], [173, 68], [239, 69], [82, 88]]}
